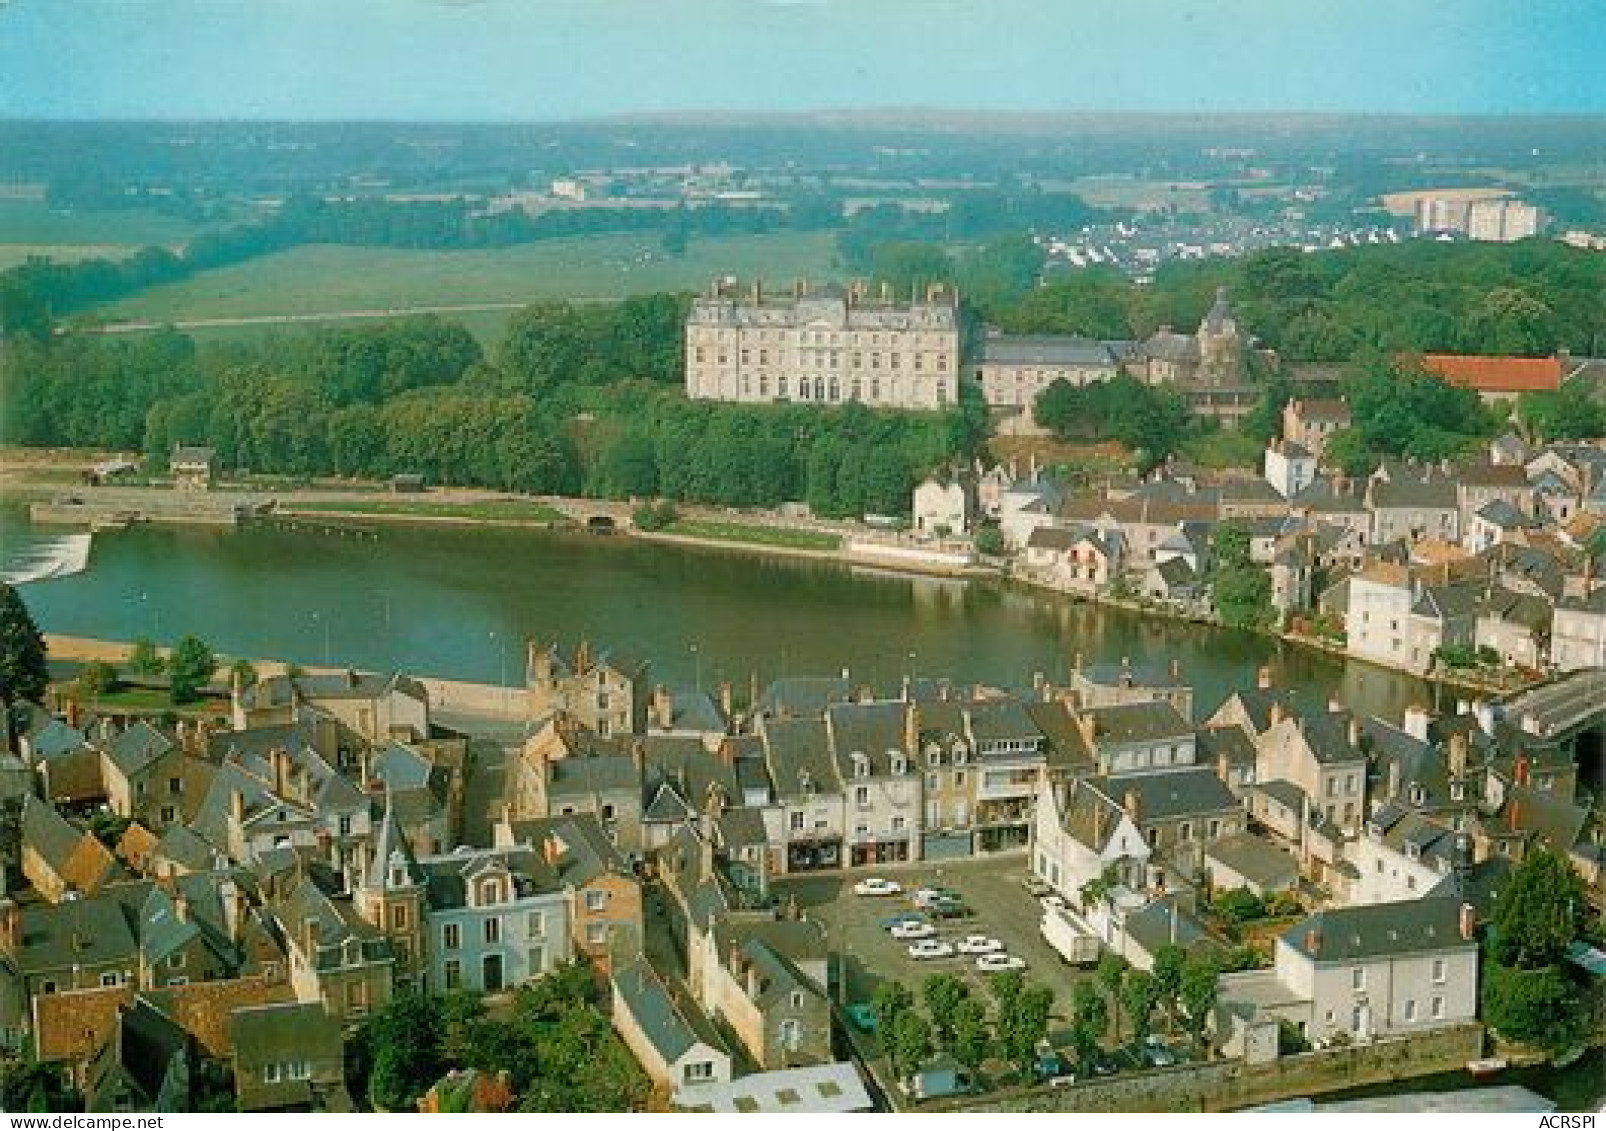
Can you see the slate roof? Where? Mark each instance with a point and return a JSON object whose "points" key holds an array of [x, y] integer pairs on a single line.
{"points": [[1090, 816], [585, 776], [799, 750], [1233, 742], [1046, 350], [1137, 722], [93, 931], [1172, 795], [804, 696], [587, 851], [875, 730], [137, 748], [1348, 934], [1162, 922], [55, 739], [1256, 859], [739, 828], [1500, 512], [662, 1023], [447, 878]]}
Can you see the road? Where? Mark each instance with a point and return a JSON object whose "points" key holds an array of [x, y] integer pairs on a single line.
{"points": [[294, 319]]}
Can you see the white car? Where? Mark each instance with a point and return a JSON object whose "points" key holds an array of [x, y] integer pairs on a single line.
{"points": [[999, 963], [913, 929], [931, 948], [979, 944], [1053, 901], [875, 885]]}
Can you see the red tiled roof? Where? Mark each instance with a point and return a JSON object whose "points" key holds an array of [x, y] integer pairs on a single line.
{"points": [[1496, 374]]}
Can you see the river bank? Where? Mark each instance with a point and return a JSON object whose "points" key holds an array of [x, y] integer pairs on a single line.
{"points": [[323, 510]]}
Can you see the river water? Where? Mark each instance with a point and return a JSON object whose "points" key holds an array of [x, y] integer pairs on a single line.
{"points": [[459, 602]]}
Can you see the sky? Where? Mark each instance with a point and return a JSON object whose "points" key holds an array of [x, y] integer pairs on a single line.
{"points": [[544, 60]]}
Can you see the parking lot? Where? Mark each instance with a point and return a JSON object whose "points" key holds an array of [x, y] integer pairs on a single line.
{"points": [[994, 889]]}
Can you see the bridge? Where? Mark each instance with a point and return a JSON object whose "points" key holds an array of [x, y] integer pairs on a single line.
{"points": [[1563, 708]]}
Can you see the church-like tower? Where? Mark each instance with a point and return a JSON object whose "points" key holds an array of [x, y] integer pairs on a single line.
{"points": [[391, 896], [1221, 347]]}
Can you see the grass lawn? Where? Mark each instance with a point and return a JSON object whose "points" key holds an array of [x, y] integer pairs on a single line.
{"points": [[1224, 448], [502, 509], [756, 535], [155, 699], [323, 278]]}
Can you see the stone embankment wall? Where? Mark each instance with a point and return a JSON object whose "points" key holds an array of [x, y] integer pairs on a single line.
{"points": [[1228, 1085]]}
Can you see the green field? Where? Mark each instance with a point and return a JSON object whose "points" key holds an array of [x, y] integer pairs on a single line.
{"points": [[33, 222], [499, 509], [323, 279], [756, 535]]}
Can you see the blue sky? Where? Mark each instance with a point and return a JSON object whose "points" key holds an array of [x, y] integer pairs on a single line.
{"points": [[501, 60]]}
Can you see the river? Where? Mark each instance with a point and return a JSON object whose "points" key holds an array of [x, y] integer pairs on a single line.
{"points": [[459, 602]]}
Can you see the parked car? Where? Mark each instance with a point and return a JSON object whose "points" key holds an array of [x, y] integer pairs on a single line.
{"points": [[1037, 887], [931, 948], [898, 920], [875, 885], [861, 1016], [998, 963], [1050, 1066], [1055, 901], [1105, 1065], [949, 909], [913, 930], [928, 897], [1156, 1054], [979, 944]]}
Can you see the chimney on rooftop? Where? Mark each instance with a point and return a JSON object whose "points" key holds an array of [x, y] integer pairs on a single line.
{"points": [[1132, 805], [1469, 922], [1263, 678], [1313, 941]]}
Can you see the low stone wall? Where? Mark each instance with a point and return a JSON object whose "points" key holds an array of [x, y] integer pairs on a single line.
{"points": [[1228, 1085]]}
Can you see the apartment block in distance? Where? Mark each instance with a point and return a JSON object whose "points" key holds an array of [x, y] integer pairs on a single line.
{"points": [[823, 346]]}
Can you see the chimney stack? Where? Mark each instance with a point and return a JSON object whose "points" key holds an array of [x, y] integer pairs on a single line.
{"points": [[1132, 805], [1263, 679], [10, 927], [237, 807], [1276, 715], [1355, 732], [725, 697], [663, 707], [1417, 719], [1458, 755], [1469, 922], [1313, 941]]}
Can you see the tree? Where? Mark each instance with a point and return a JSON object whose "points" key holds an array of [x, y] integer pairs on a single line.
{"points": [[405, 1039], [144, 659], [909, 1042], [23, 673], [990, 541], [891, 1000], [971, 1038], [1140, 994], [95, 679], [1198, 994], [1023, 1022], [190, 669], [244, 673], [1112, 973], [1090, 1015], [1168, 963], [1539, 912], [1543, 1006], [943, 994]]}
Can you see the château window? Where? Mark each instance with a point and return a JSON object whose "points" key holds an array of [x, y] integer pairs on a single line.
{"points": [[493, 929], [452, 936]]}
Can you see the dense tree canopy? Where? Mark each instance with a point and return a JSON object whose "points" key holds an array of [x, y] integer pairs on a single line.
{"points": [[23, 674]]}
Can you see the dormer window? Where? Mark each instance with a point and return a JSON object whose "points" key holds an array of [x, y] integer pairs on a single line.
{"points": [[398, 877], [1418, 794], [861, 765], [961, 752], [900, 765], [1458, 792], [490, 891]]}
